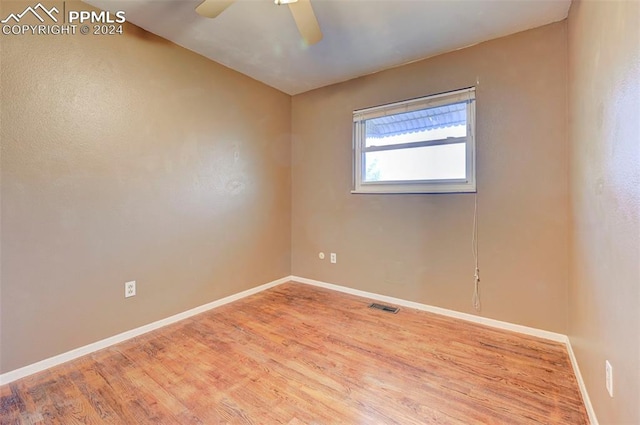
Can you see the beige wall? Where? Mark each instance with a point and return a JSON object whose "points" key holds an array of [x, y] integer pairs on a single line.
{"points": [[418, 247], [128, 157], [604, 134]]}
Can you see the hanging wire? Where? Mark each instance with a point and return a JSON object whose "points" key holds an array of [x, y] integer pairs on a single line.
{"points": [[474, 248]]}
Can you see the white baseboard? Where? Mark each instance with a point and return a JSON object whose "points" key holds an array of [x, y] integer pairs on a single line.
{"points": [[438, 310], [553, 336], [583, 388], [13, 375]]}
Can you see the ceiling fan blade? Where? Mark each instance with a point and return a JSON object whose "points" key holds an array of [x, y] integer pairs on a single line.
{"points": [[212, 8], [306, 21]]}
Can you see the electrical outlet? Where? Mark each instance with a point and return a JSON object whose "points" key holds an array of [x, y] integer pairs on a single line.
{"points": [[609, 377], [130, 289], [334, 258]]}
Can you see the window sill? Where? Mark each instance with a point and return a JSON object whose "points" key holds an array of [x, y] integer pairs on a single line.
{"points": [[412, 192]]}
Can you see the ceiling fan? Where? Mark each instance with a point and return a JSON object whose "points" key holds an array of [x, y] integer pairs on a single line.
{"points": [[300, 9]]}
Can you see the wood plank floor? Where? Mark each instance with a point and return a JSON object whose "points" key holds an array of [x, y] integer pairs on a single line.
{"points": [[297, 354]]}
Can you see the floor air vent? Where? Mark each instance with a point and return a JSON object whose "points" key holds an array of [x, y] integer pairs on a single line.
{"points": [[383, 307]]}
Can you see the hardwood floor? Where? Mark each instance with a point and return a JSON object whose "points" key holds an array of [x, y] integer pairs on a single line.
{"points": [[297, 354]]}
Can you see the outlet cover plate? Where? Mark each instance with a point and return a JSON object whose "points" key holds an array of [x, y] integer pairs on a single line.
{"points": [[130, 289], [609, 377]]}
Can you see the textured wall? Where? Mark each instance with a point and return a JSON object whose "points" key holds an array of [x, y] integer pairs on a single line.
{"points": [[418, 247], [604, 129], [128, 157]]}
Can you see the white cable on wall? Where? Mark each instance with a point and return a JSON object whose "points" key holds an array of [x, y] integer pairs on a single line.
{"points": [[474, 248], [475, 300]]}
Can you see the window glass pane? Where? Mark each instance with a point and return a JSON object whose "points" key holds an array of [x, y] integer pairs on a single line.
{"points": [[437, 162], [421, 125]]}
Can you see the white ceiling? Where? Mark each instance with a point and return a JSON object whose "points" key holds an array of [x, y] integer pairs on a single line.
{"points": [[260, 39]]}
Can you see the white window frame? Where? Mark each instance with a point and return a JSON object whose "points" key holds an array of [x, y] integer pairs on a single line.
{"points": [[360, 117]]}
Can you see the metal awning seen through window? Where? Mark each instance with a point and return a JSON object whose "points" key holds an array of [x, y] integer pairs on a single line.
{"points": [[420, 120]]}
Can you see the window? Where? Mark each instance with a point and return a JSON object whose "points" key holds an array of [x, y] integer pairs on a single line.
{"points": [[424, 145]]}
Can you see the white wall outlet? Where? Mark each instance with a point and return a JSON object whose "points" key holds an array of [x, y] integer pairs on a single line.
{"points": [[334, 258], [321, 255], [609, 377], [130, 289]]}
